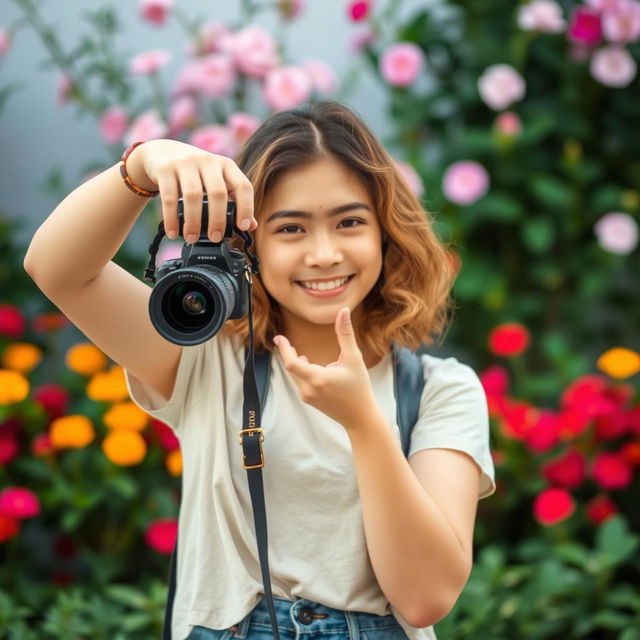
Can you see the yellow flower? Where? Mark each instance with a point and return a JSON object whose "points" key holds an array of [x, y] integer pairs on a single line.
{"points": [[108, 386], [619, 362], [126, 415], [124, 447], [85, 358], [71, 432], [14, 387], [173, 462], [21, 356]]}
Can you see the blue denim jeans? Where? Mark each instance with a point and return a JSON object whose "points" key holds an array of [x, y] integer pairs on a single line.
{"points": [[306, 620]]}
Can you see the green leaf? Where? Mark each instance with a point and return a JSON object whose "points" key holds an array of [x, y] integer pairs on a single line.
{"points": [[498, 207], [610, 619], [538, 234], [551, 192], [614, 542]]}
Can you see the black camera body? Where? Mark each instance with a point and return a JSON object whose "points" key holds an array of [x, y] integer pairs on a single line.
{"points": [[194, 295]]}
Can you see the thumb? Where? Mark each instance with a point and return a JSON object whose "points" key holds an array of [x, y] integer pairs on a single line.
{"points": [[344, 330]]}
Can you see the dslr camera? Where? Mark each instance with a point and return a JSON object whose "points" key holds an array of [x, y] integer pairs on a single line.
{"points": [[194, 295]]}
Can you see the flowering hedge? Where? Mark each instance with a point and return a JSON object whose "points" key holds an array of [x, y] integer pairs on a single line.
{"points": [[517, 125]]}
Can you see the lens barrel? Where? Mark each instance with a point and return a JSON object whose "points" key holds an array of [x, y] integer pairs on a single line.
{"points": [[188, 306]]}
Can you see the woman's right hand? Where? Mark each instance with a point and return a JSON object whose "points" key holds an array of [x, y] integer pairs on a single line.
{"points": [[180, 169]]}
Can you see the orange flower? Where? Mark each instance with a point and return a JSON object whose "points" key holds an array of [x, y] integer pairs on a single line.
{"points": [[21, 356], [126, 415], [108, 386], [124, 447], [173, 462], [85, 358], [71, 432], [619, 362], [14, 387]]}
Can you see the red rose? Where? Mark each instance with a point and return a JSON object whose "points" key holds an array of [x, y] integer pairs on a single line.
{"points": [[12, 322], [611, 471], [567, 471], [599, 509], [508, 339], [53, 398], [552, 506], [161, 535], [9, 527]]}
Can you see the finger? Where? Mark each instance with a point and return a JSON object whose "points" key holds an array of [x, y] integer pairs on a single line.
{"points": [[168, 187], [242, 190], [292, 362], [192, 195], [346, 334], [217, 197]]}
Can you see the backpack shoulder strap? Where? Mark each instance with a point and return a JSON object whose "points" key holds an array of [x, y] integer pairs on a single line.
{"points": [[408, 382]]}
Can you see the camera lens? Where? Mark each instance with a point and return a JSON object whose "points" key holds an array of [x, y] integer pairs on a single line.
{"points": [[194, 303], [189, 305]]}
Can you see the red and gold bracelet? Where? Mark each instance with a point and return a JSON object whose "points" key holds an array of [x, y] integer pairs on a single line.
{"points": [[127, 178]]}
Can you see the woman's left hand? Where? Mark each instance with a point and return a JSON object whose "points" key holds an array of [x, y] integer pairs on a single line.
{"points": [[342, 389]]}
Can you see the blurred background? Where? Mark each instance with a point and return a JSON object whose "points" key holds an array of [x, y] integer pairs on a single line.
{"points": [[516, 123]]}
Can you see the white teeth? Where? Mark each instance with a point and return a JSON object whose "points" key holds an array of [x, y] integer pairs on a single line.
{"points": [[324, 286]]}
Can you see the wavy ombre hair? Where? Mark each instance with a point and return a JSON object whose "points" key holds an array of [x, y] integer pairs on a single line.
{"points": [[410, 303]]}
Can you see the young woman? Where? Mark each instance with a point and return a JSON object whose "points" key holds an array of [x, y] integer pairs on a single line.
{"points": [[364, 544]]}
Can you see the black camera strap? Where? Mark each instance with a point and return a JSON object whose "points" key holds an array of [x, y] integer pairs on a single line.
{"points": [[251, 439]]}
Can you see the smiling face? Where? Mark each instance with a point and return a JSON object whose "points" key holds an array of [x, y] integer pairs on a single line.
{"points": [[319, 244]]}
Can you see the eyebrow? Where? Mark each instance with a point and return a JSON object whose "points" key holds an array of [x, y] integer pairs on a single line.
{"points": [[290, 213]]}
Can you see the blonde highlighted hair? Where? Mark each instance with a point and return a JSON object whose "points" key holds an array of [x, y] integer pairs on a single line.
{"points": [[410, 304]]}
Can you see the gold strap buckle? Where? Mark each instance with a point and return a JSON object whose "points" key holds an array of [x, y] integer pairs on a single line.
{"points": [[251, 431]]}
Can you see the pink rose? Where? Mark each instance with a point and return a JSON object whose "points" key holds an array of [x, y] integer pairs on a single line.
{"points": [[214, 138], [585, 26], [544, 16], [212, 75], [508, 124], [358, 10], [113, 124], [411, 177], [401, 64], [242, 127], [323, 76], [622, 25], [607, 5], [255, 52], [183, 114], [465, 182], [617, 232], [213, 38], [613, 66], [500, 85], [17, 502], [155, 11], [287, 87], [5, 41], [147, 126], [149, 62], [361, 39]]}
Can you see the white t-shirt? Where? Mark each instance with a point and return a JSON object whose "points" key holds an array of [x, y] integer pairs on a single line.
{"points": [[317, 547]]}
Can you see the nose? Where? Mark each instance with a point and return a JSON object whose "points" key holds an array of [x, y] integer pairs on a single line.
{"points": [[323, 251]]}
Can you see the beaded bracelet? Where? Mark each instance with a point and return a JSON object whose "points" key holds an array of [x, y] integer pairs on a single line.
{"points": [[127, 178]]}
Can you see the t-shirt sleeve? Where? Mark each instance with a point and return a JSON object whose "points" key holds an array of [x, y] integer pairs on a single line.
{"points": [[454, 415], [185, 390]]}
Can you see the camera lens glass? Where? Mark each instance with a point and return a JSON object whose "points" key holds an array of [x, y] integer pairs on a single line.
{"points": [[189, 306]]}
